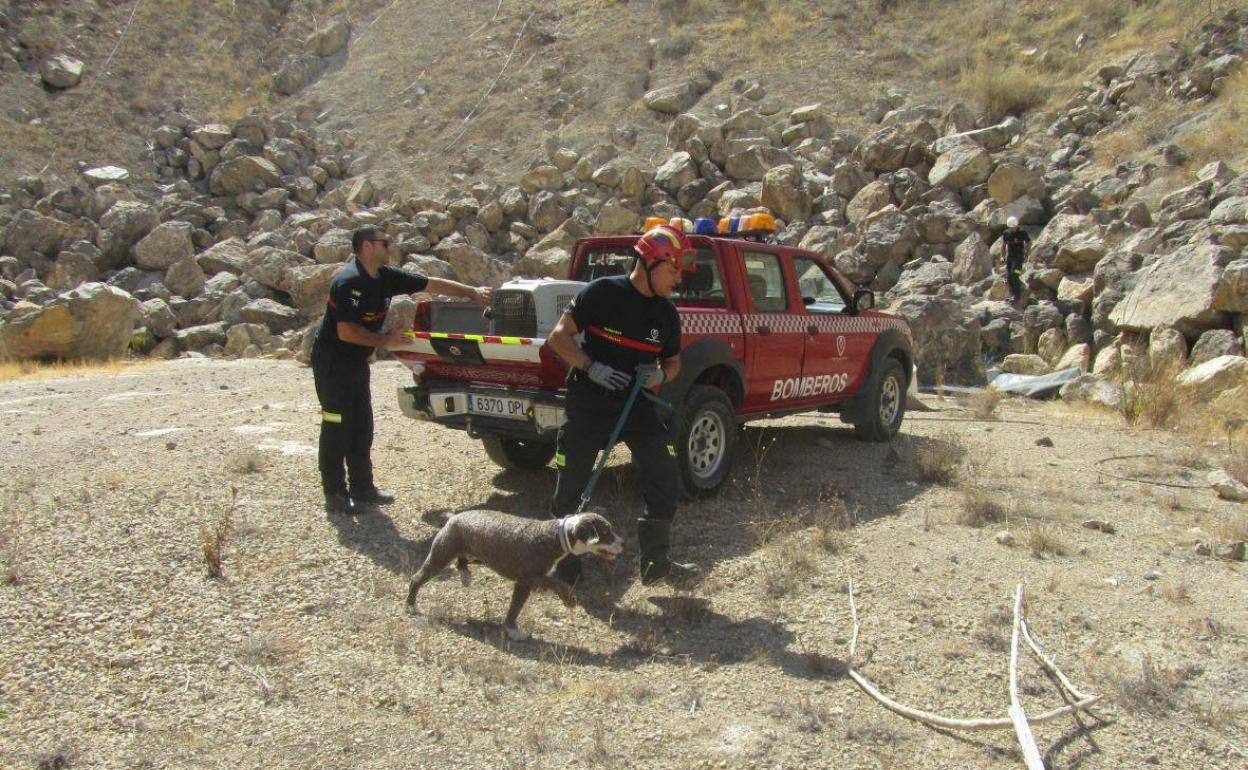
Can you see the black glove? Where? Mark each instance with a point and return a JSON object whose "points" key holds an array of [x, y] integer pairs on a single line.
{"points": [[651, 376], [606, 376]]}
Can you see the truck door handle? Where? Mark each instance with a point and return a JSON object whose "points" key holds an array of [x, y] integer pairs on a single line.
{"points": [[812, 329], [764, 330]]}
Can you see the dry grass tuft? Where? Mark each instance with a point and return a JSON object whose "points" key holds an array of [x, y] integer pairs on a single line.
{"points": [[980, 508], [1001, 90], [934, 460], [983, 404], [1043, 540], [267, 649], [1154, 403], [1155, 689], [212, 539], [15, 371], [247, 460]]}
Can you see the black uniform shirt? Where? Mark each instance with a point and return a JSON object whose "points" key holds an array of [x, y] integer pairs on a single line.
{"points": [[357, 297], [1014, 242], [623, 327]]}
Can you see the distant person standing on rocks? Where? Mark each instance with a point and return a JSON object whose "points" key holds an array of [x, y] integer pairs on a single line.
{"points": [[1017, 243], [359, 298]]}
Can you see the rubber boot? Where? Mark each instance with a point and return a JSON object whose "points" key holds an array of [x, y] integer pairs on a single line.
{"points": [[654, 537]]}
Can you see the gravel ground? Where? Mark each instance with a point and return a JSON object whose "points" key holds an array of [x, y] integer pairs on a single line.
{"points": [[119, 652]]}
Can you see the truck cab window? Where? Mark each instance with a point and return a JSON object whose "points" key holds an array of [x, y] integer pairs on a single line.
{"points": [[820, 293], [766, 282]]}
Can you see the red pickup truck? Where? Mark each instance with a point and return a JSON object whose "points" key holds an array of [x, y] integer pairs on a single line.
{"points": [[767, 330]]}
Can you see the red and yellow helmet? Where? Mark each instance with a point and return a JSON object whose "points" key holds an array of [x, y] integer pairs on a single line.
{"points": [[664, 242]]}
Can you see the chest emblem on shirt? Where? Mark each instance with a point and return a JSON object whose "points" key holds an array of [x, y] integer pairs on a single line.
{"points": [[654, 336]]}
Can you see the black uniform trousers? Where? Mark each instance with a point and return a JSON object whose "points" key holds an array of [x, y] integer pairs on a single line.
{"points": [[1013, 276], [592, 413], [346, 422]]}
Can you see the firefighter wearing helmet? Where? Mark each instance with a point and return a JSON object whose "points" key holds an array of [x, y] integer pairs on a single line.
{"points": [[631, 330], [1016, 241]]}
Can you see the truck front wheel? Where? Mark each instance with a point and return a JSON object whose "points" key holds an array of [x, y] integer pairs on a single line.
{"points": [[518, 454], [706, 440], [886, 405]]}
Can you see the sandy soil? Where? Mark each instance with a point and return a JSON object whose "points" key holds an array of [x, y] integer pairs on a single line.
{"points": [[119, 652]]}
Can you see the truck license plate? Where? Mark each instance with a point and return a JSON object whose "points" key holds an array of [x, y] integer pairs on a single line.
{"points": [[499, 406]]}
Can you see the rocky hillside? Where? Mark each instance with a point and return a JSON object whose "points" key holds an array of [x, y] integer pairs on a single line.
{"points": [[223, 239]]}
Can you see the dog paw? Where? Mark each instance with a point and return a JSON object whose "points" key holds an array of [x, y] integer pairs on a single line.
{"points": [[411, 609], [518, 634], [465, 578]]}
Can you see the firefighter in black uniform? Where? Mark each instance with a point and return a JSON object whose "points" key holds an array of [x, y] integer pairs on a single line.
{"points": [[359, 297], [1016, 241], [631, 330]]}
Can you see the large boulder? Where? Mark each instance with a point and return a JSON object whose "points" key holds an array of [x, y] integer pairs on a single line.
{"points": [[946, 338], [990, 138], [162, 247], [330, 40], [244, 174], [185, 277], [229, 256], [1177, 290], [961, 166], [1220, 382], [868, 200], [297, 72], [890, 237], [471, 265], [272, 314], [1058, 231], [972, 261], [92, 321], [121, 227], [615, 219], [1231, 294], [60, 71], [927, 278], [673, 99], [269, 266], [1167, 350], [784, 192], [1080, 253], [1090, 389], [1013, 180], [333, 247], [1232, 211], [548, 178], [678, 171], [30, 233], [1215, 343], [1024, 363], [308, 287]]}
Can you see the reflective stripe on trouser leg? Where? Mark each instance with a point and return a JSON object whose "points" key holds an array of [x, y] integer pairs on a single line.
{"points": [[333, 417], [559, 459]]}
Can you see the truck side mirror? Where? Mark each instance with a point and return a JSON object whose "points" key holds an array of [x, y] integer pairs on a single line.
{"points": [[864, 299]]}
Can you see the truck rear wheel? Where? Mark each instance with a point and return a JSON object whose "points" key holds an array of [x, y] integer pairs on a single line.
{"points": [[706, 440], [518, 454], [886, 405]]}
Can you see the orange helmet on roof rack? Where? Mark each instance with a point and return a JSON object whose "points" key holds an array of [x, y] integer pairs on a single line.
{"points": [[665, 242]]}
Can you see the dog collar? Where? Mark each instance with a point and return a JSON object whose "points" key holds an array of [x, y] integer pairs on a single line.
{"points": [[564, 542]]}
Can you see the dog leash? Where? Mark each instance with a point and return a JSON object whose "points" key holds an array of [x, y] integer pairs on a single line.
{"points": [[615, 436]]}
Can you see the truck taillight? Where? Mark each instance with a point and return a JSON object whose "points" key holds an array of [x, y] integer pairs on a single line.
{"points": [[423, 315]]}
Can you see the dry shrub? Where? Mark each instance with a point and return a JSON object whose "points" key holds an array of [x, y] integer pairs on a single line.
{"points": [[1155, 690], [212, 539], [247, 460], [782, 568], [1151, 403], [1043, 540], [11, 371], [267, 649], [935, 460], [984, 403], [1001, 90], [980, 508], [1222, 136]]}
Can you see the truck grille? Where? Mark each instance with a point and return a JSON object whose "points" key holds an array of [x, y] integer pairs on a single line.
{"points": [[514, 314]]}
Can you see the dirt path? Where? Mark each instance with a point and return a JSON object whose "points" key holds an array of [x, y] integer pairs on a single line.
{"points": [[118, 652]]}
